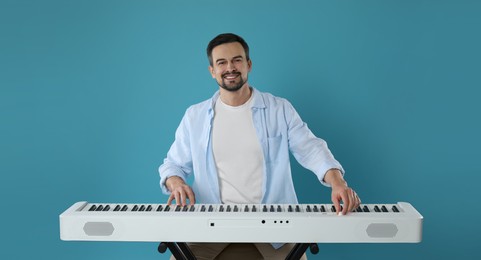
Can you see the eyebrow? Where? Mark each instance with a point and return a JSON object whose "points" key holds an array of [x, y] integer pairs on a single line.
{"points": [[235, 57]]}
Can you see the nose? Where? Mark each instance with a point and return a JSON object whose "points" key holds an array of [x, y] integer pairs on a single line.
{"points": [[230, 66]]}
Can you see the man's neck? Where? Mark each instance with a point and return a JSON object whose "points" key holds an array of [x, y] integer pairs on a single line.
{"points": [[236, 98]]}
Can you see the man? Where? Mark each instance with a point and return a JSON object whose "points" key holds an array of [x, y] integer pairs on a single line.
{"points": [[237, 146]]}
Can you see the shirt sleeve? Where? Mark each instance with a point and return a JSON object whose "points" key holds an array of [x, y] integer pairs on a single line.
{"points": [[310, 151], [179, 158]]}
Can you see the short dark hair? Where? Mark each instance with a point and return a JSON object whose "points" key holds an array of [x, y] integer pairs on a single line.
{"points": [[226, 38]]}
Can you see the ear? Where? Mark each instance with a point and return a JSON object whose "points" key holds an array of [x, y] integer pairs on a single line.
{"points": [[249, 65], [212, 71]]}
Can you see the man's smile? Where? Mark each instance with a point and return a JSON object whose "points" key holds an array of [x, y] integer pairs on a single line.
{"points": [[231, 76]]}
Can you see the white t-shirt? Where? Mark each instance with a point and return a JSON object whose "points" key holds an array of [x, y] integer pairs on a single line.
{"points": [[237, 153]]}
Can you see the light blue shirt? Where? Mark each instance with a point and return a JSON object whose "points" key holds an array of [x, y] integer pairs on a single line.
{"points": [[279, 129]]}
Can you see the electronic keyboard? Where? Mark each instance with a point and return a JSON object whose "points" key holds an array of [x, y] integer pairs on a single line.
{"points": [[232, 223]]}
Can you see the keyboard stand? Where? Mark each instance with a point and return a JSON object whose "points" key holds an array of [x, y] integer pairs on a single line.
{"points": [[181, 250], [300, 248]]}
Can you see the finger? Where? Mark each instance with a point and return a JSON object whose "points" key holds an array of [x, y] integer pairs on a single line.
{"points": [[345, 199], [191, 196], [355, 200], [337, 205], [352, 200], [177, 198], [358, 201], [169, 201], [183, 198]]}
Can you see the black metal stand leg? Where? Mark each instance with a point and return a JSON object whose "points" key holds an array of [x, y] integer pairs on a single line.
{"points": [[314, 248], [299, 249], [180, 250]]}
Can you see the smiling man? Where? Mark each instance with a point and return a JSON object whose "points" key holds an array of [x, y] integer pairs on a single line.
{"points": [[231, 66], [237, 145]]}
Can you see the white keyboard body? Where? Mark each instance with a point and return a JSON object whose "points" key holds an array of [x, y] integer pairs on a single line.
{"points": [[303, 223]]}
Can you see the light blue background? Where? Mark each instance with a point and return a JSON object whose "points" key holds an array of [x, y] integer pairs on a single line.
{"points": [[92, 92]]}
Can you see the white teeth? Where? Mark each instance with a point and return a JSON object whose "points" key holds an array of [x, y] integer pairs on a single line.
{"points": [[231, 76]]}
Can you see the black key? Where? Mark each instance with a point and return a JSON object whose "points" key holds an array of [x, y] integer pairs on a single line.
{"points": [[142, 208], [236, 209], [202, 209], [376, 208], [308, 208], [279, 209], [221, 208], [333, 208], [323, 209], [289, 208], [149, 208], [211, 208], [178, 208], [365, 209], [124, 208], [272, 208], [107, 208], [395, 209], [185, 208], [315, 209], [117, 208], [92, 208], [192, 208], [246, 208], [264, 209], [99, 208], [167, 208], [228, 208], [159, 208], [254, 209], [384, 209], [135, 208], [359, 209], [298, 209]]}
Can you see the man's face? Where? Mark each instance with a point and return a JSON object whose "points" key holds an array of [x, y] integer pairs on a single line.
{"points": [[230, 66]]}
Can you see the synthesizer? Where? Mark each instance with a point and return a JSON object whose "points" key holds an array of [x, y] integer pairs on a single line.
{"points": [[251, 223]]}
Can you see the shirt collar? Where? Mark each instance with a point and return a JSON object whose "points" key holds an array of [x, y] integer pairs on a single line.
{"points": [[257, 100]]}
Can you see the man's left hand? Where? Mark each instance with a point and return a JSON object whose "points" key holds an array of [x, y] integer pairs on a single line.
{"points": [[348, 196], [341, 192]]}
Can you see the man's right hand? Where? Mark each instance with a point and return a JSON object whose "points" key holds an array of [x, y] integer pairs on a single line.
{"points": [[180, 191]]}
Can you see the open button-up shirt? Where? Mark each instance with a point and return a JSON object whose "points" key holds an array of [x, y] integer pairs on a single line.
{"points": [[280, 130]]}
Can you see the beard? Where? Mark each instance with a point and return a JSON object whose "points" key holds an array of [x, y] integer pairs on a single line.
{"points": [[231, 85]]}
